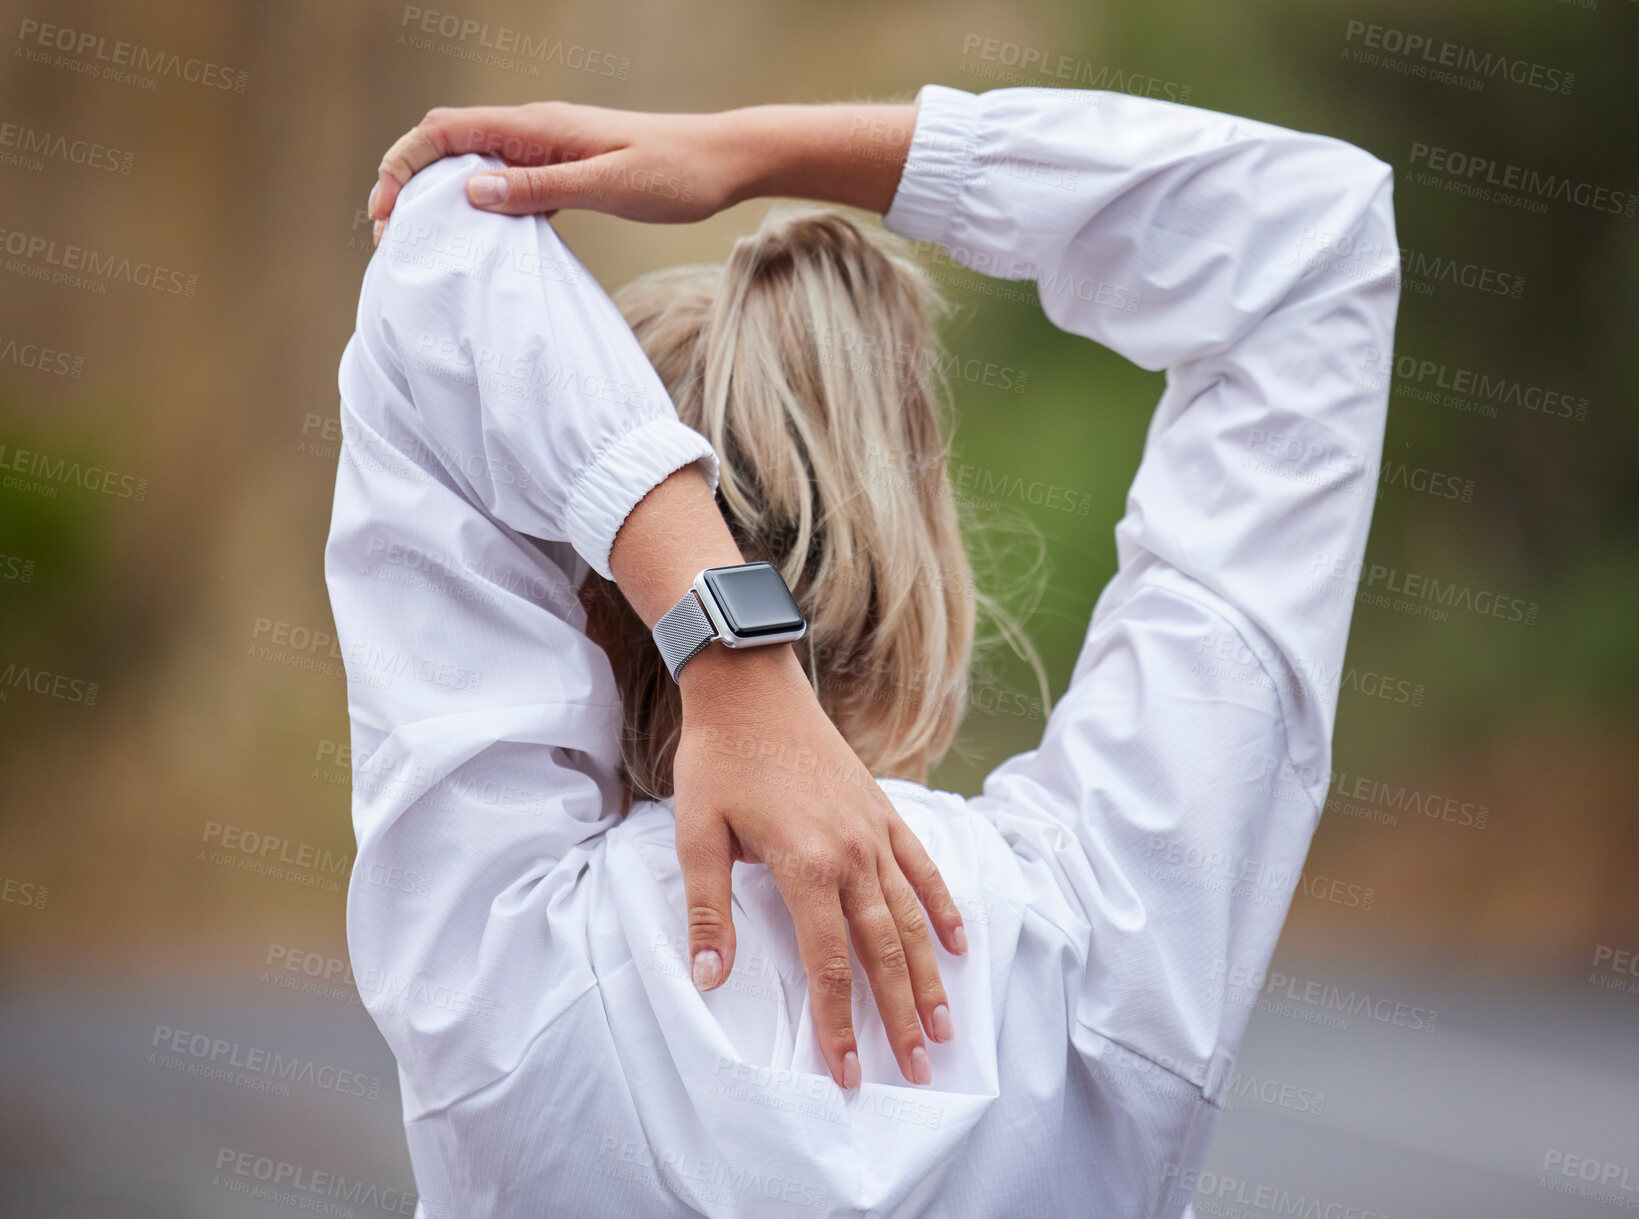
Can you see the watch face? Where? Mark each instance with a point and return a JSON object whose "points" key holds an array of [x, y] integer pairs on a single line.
{"points": [[754, 600]]}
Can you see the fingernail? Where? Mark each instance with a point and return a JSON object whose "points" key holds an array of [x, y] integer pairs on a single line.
{"points": [[959, 936], [375, 193], [943, 1030], [850, 1070], [380, 225], [921, 1068], [486, 189], [708, 969]]}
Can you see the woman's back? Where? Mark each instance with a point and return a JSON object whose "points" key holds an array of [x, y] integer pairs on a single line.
{"points": [[645, 1097], [522, 947]]}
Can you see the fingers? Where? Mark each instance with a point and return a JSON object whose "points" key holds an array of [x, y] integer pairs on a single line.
{"points": [[822, 942], [882, 952], [414, 150], [705, 853], [926, 987], [510, 132], [923, 875], [524, 190]]}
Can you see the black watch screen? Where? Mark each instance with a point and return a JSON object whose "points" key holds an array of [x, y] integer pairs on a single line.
{"points": [[754, 600]]}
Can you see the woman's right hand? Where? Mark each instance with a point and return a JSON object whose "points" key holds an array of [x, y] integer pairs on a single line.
{"points": [[664, 168]]}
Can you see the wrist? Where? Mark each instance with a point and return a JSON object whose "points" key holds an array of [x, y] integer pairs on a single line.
{"points": [[673, 532], [749, 144], [847, 154], [731, 683]]}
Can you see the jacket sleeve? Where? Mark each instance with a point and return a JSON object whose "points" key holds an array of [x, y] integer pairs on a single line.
{"points": [[499, 420], [1170, 805], [532, 390]]}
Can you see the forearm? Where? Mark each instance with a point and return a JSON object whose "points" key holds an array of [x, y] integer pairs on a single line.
{"points": [[805, 807], [852, 154], [674, 532]]}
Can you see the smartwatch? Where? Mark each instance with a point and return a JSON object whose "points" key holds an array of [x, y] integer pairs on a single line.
{"points": [[742, 607]]}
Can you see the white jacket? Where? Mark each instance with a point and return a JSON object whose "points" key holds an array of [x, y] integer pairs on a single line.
{"points": [[523, 948]]}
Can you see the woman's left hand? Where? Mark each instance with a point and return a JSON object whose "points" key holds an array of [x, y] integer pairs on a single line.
{"points": [[763, 776]]}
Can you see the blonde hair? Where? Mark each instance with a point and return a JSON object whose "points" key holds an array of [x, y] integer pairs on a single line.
{"points": [[810, 361]]}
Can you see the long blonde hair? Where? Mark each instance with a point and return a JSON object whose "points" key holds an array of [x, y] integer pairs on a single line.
{"points": [[810, 361]]}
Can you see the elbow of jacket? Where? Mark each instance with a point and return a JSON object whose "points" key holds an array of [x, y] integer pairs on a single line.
{"points": [[1359, 187], [1377, 178], [1370, 182], [1377, 227], [1361, 204]]}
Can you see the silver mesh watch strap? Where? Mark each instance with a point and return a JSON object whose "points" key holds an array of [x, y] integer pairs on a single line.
{"points": [[682, 632]]}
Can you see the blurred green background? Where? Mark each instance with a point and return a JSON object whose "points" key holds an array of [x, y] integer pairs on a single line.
{"points": [[219, 399]]}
